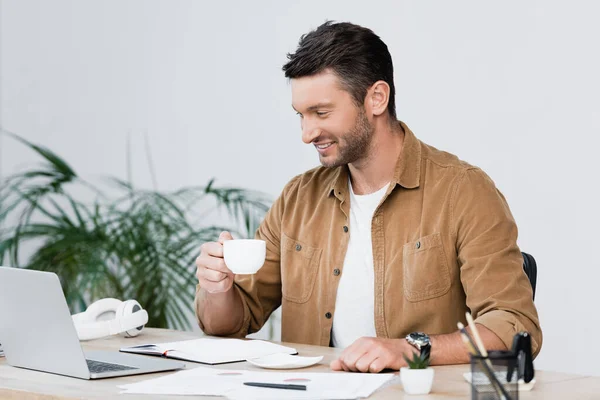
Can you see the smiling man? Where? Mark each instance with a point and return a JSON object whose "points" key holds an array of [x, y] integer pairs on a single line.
{"points": [[383, 248]]}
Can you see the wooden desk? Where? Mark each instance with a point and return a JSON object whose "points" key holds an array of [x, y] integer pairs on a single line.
{"points": [[16, 383]]}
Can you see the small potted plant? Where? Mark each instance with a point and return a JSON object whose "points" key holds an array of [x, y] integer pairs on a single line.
{"points": [[417, 377]]}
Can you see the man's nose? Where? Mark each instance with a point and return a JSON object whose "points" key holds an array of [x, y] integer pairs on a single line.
{"points": [[309, 131]]}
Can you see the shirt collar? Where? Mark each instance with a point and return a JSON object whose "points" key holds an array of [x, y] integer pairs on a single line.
{"points": [[406, 174]]}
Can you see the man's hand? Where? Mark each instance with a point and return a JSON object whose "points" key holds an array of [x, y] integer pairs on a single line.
{"points": [[370, 354], [211, 270]]}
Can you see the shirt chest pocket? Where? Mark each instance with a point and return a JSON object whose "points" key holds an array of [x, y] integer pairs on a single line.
{"points": [[299, 265], [426, 274]]}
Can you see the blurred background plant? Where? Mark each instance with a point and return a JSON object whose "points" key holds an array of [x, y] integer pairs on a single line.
{"points": [[131, 244]]}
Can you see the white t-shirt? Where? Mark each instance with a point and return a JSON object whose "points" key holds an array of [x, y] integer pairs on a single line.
{"points": [[354, 315]]}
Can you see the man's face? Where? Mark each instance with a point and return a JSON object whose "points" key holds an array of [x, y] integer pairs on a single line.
{"points": [[330, 120]]}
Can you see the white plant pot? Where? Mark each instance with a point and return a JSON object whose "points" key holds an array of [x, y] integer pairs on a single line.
{"points": [[417, 381]]}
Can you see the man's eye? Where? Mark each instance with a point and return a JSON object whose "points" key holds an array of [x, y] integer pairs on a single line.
{"points": [[322, 113], [300, 115]]}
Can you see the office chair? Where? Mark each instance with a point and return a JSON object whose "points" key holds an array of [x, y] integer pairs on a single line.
{"points": [[530, 268]]}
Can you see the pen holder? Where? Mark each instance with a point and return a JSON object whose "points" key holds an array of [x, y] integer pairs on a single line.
{"points": [[495, 377]]}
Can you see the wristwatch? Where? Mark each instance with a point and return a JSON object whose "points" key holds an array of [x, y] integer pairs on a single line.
{"points": [[420, 341]]}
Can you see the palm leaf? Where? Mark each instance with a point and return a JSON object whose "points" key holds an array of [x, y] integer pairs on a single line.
{"points": [[59, 166], [138, 244]]}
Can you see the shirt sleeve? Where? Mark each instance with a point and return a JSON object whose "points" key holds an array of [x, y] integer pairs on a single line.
{"points": [[261, 292], [498, 292]]}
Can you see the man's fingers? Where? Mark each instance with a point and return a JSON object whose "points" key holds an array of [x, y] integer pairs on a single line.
{"points": [[366, 354], [225, 236], [352, 354], [211, 275], [216, 263], [336, 365], [211, 270], [377, 365], [364, 363], [367, 363], [214, 249]]}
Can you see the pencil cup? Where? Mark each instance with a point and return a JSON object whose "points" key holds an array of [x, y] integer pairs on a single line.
{"points": [[504, 366]]}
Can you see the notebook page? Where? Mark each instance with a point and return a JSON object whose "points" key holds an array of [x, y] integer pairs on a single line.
{"points": [[216, 351]]}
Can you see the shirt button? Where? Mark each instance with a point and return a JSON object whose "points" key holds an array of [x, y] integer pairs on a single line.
{"points": [[418, 245], [328, 315], [298, 247], [345, 228], [336, 272]]}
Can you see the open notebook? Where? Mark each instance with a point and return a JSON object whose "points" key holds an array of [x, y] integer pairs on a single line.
{"points": [[211, 350]]}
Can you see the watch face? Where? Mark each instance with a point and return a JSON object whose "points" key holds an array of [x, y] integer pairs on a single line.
{"points": [[419, 338]]}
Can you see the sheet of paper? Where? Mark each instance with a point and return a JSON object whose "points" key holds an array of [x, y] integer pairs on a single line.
{"points": [[185, 382], [216, 351], [229, 383], [182, 385]]}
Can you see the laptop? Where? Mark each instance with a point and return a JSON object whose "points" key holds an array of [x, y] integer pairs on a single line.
{"points": [[37, 332]]}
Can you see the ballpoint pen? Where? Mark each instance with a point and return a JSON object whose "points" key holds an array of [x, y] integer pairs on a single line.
{"points": [[276, 385]]}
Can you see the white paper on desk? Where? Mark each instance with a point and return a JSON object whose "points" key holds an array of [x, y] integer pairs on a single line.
{"points": [[212, 350], [229, 383], [181, 384]]}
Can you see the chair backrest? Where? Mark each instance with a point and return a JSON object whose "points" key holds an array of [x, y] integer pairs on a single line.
{"points": [[530, 268]]}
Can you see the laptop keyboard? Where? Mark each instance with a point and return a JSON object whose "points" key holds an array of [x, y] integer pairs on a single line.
{"points": [[97, 367]]}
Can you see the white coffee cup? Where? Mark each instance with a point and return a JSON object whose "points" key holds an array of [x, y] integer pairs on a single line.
{"points": [[244, 256]]}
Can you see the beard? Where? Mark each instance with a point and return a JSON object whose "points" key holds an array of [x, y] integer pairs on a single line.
{"points": [[354, 144]]}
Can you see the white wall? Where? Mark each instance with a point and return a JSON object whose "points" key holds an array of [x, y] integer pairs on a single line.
{"points": [[510, 86]]}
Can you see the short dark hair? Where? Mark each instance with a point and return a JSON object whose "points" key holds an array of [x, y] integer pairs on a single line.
{"points": [[354, 53]]}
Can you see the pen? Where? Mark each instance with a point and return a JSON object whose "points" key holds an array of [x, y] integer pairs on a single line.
{"points": [[478, 341], [486, 368], [276, 385], [480, 350]]}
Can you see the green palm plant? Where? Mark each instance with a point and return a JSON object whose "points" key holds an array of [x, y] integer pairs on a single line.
{"points": [[138, 244]]}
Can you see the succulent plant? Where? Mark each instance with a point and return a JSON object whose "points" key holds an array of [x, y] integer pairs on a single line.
{"points": [[419, 361]]}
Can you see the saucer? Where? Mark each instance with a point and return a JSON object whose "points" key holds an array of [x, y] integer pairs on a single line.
{"points": [[284, 361]]}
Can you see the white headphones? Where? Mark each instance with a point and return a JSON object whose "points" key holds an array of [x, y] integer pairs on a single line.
{"points": [[110, 317]]}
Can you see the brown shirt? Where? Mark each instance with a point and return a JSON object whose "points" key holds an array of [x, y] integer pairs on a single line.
{"points": [[444, 242]]}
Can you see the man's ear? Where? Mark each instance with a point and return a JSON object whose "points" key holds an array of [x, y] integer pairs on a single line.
{"points": [[378, 97]]}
